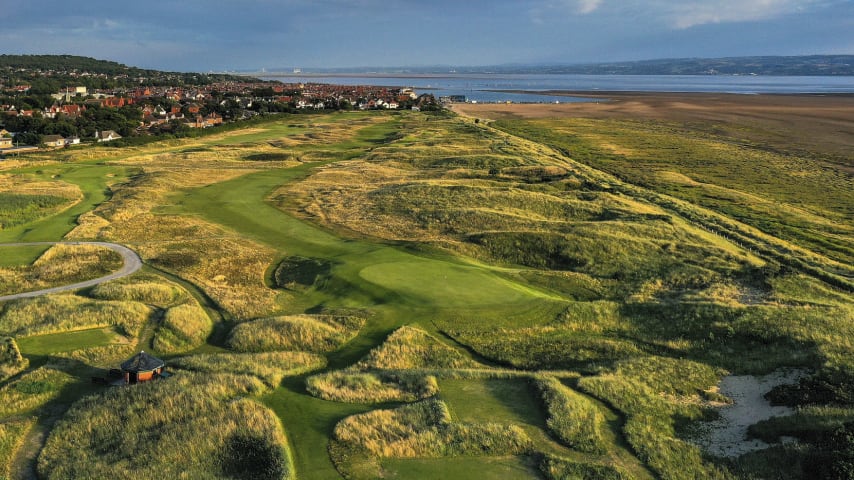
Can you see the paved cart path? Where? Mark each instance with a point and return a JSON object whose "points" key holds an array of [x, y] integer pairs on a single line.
{"points": [[131, 260]]}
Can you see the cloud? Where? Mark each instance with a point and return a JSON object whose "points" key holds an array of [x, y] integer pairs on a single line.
{"points": [[690, 13], [587, 6]]}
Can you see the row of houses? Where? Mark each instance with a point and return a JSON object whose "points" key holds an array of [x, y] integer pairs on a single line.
{"points": [[7, 140]]}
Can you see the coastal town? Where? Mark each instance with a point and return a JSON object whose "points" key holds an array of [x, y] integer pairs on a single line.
{"points": [[35, 117]]}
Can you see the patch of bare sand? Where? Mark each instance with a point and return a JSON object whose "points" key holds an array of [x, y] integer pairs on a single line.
{"points": [[727, 436]]}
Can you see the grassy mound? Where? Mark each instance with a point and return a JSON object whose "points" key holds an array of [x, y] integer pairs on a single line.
{"points": [[555, 468], [144, 288], [547, 347], [650, 429], [313, 333], [63, 313], [409, 348], [18, 209], [372, 387], [572, 417], [60, 265], [184, 328], [422, 429], [211, 433], [33, 389], [271, 368], [11, 360]]}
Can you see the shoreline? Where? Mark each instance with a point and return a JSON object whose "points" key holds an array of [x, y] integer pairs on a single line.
{"points": [[819, 123], [600, 94]]}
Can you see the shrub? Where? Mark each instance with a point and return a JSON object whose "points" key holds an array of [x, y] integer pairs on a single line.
{"points": [[302, 271], [251, 457]]}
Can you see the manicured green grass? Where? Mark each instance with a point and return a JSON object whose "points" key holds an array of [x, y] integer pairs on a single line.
{"points": [[21, 256], [481, 468], [511, 401], [444, 284], [309, 423], [66, 342], [93, 180]]}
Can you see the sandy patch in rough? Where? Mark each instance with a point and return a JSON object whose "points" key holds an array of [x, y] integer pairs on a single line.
{"points": [[727, 436]]}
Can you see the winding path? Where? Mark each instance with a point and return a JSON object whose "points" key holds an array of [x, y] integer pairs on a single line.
{"points": [[131, 260]]}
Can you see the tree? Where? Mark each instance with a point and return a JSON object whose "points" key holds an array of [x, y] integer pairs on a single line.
{"points": [[834, 459], [29, 138]]}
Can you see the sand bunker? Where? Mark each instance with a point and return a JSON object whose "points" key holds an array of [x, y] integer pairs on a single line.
{"points": [[727, 436]]}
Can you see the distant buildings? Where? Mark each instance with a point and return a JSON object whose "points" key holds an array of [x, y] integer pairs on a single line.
{"points": [[106, 136]]}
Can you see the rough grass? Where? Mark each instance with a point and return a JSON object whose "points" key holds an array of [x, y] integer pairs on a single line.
{"points": [[649, 427], [105, 356], [227, 267], [652, 280], [550, 347], [410, 348], [144, 288], [782, 193], [23, 199], [556, 468], [425, 429], [271, 367], [313, 333], [213, 433], [12, 434], [63, 313], [572, 417], [11, 360], [184, 327], [60, 265], [33, 389], [372, 387]]}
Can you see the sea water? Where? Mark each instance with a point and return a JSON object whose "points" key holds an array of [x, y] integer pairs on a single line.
{"points": [[491, 87]]}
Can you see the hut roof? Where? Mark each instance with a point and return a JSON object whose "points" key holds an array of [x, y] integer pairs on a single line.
{"points": [[142, 362]]}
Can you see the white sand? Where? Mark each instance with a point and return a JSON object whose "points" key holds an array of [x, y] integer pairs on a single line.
{"points": [[727, 436]]}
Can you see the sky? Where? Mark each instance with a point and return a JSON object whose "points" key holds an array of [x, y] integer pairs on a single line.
{"points": [[219, 35]]}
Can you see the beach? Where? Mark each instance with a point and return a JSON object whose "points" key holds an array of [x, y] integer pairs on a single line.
{"points": [[810, 122]]}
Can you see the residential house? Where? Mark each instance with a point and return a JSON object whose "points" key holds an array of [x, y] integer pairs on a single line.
{"points": [[213, 119], [72, 110], [107, 136], [116, 102], [6, 142], [53, 141], [72, 141]]}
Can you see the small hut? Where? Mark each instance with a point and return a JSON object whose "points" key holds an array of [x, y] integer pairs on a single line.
{"points": [[142, 367]]}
